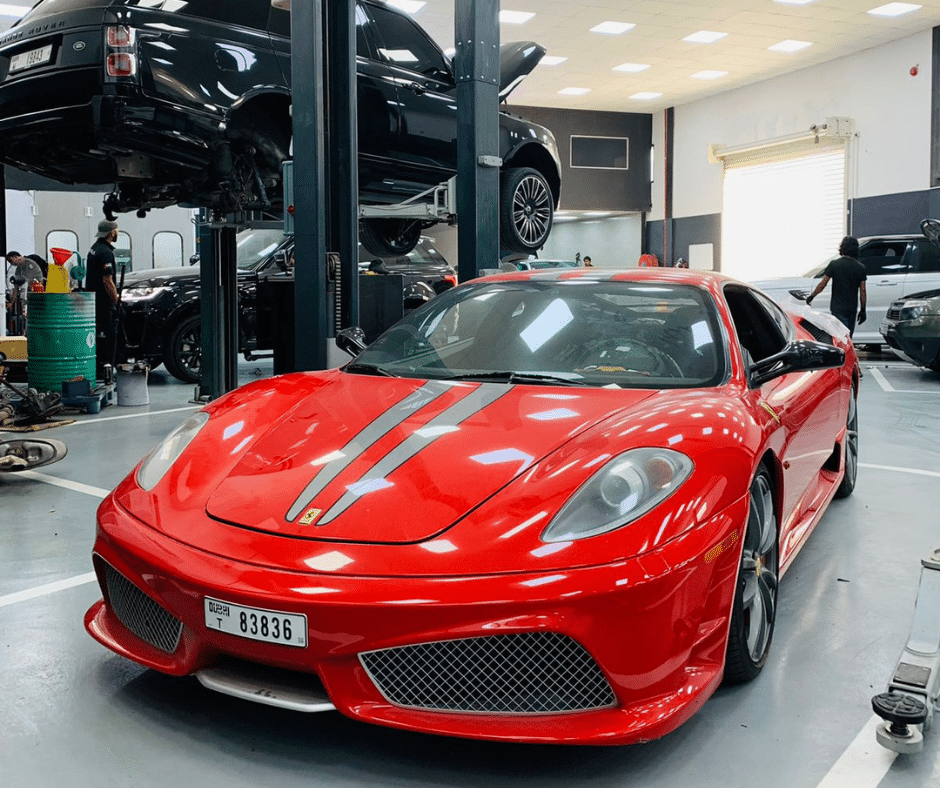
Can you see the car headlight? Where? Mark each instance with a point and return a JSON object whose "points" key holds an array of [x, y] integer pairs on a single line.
{"points": [[626, 488], [159, 461], [911, 310], [143, 293]]}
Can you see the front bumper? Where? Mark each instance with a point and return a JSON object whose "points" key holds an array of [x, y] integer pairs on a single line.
{"points": [[654, 629], [916, 341]]}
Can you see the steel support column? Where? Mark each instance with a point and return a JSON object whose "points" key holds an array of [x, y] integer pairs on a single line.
{"points": [[307, 96], [219, 313], [668, 233], [476, 32], [343, 153]]}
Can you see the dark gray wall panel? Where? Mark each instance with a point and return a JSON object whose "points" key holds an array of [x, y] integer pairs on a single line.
{"points": [[704, 229], [888, 214], [600, 190]]}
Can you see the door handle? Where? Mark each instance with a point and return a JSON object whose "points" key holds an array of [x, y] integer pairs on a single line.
{"points": [[417, 89]]}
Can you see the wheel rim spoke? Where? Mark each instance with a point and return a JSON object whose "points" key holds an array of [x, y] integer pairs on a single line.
{"points": [[758, 574]]}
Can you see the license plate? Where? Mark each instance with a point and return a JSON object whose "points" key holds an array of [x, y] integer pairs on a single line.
{"points": [[35, 57], [270, 626]]}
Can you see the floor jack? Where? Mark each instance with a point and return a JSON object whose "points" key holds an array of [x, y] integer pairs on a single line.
{"points": [[908, 706]]}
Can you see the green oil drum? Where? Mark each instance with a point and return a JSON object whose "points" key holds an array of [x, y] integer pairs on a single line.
{"points": [[60, 338]]}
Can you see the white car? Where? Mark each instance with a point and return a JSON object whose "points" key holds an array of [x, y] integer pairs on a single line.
{"points": [[897, 265]]}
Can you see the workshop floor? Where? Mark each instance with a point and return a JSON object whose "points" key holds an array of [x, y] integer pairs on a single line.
{"points": [[73, 714]]}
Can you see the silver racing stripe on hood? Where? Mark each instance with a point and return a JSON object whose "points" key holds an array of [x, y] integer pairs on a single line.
{"points": [[443, 424], [375, 431]]}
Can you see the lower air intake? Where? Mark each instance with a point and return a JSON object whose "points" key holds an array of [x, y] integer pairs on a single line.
{"points": [[526, 673], [140, 614]]}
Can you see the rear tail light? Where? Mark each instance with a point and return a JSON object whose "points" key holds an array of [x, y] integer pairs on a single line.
{"points": [[122, 64], [119, 37], [451, 279], [120, 52]]}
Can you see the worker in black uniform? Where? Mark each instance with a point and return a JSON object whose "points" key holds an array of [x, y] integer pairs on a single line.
{"points": [[848, 277], [100, 280]]}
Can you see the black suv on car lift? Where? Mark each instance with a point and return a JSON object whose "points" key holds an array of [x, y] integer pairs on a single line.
{"points": [[161, 320], [189, 103]]}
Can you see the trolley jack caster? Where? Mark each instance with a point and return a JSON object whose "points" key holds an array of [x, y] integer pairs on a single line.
{"points": [[913, 691]]}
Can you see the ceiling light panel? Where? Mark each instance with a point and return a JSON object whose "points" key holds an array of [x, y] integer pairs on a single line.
{"points": [[710, 75], [705, 37], [514, 17], [552, 60], [894, 9], [789, 45], [613, 28], [574, 91], [632, 68], [645, 96]]}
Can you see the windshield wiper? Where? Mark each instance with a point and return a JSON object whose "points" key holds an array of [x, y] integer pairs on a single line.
{"points": [[520, 377], [359, 367]]}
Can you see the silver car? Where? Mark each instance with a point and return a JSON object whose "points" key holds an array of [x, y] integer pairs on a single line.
{"points": [[896, 264]]}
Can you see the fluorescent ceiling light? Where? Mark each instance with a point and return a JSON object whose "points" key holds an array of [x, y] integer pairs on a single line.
{"points": [[613, 28], [552, 60], [408, 6], [894, 9], [574, 91], [632, 68], [646, 96], [789, 45], [704, 37], [795, 2], [514, 17], [450, 52], [710, 75], [16, 11]]}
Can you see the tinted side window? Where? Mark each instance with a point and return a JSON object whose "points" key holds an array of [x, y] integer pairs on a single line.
{"points": [[404, 44], [777, 315], [758, 332], [882, 258], [246, 13], [925, 257]]}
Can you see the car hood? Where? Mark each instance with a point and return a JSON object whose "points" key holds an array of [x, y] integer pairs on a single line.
{"points": [[394, 461], [516, 61], [164, 277], [922, 295]]}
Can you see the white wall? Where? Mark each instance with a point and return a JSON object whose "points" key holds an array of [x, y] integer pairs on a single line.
{"points": [[891, 110], [610, 243], [21, 226]]}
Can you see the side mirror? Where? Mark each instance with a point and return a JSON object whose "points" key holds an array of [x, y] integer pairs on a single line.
{"points": [[351, 341], [799, 356], [280, 259]]}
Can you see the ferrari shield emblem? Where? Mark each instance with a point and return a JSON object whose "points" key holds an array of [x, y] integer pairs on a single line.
{"points": [[310, 515]]}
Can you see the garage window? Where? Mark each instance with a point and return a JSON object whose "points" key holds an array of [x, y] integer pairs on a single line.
{"points": [[784, 203], [167, 249]]}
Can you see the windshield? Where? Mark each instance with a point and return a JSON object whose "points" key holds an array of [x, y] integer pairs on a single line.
{"points": [[580, 332], [252, 247]]}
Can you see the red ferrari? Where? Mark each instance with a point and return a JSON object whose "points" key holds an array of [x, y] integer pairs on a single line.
{"points": [[546, 506]]}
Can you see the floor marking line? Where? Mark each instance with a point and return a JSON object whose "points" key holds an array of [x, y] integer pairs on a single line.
{"points": [[882, 380], [48, 588], [97, 492], [133, 415], [915, 471], [864, 763]]}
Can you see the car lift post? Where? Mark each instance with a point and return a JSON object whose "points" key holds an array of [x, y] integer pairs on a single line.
{"points": [[219, 299], [476, 66], [914, 689]]}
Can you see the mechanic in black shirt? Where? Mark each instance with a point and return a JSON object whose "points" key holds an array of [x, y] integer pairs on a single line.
{"points": [[848, 277], [100, 280]]}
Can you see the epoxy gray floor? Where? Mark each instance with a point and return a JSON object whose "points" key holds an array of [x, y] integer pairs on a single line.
{"points": [[72, 714]]}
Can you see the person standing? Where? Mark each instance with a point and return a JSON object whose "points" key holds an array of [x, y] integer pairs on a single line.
{"points": [[848, 277], [100, 280]]}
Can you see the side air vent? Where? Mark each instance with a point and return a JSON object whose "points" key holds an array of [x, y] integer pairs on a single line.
{"points": [[818, 334]]}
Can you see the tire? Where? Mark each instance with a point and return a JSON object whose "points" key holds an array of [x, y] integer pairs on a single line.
{"points": [[847, 485], [389, 237], [754, 609], [183, 358], [526, 210]]}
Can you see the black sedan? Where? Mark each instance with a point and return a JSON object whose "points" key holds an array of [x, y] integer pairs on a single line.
{"points": [[912, 329]]}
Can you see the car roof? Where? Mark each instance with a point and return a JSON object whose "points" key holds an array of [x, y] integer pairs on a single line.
{"points": [[696, 278]]}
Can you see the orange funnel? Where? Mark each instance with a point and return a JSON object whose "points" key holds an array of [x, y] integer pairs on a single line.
{"points": [[60, 256]]}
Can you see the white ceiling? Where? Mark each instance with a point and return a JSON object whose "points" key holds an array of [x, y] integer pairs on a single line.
{"points": [[835, 27]]}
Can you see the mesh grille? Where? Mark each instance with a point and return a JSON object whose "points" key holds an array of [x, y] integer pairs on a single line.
{"points": [[894, 311], [818, 334], [527, 673], [140, 614]]}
